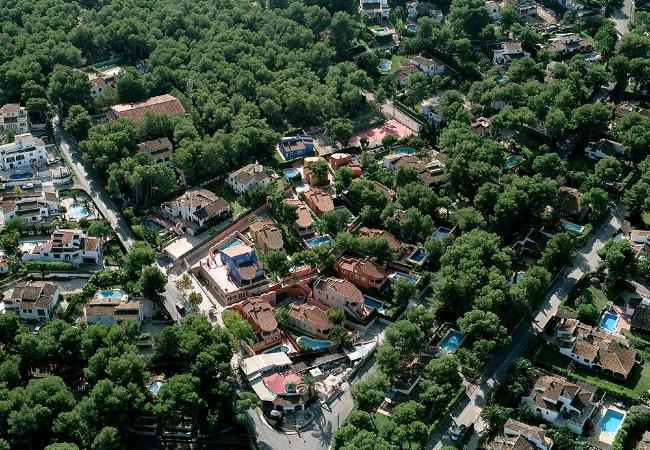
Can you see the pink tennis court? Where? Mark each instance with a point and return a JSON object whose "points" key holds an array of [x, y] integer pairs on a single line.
{"points": [[376, 134]]}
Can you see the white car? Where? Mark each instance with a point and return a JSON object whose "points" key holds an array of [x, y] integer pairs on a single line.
{"points": [[457, 432]]}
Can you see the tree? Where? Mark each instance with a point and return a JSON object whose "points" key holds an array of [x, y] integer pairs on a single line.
{"points": [[152, 281], [559, 251], [549, 165], [319, 171], [467, 219], [618, 258], [139, 255], [68, 87], [608, 170], [590, 117], [588, 313], [277, 261], [195, 298], [78, 122], [369, 392], [495, 416], [339, 130], [415, 225], [342, 179], [344, 31], [179, 399], [238, 327], [403, 291], [183, 283], [598, 202], [418, 86], [335, 221], [439, 379], [130, 86], [336, 315], [107, 439], [100, 229], [405, 337]]}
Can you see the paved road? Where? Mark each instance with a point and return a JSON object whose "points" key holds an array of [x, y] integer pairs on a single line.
{"points": [[389, 109], [469, 408], [319, 436], [622, 16], [93, 187]]}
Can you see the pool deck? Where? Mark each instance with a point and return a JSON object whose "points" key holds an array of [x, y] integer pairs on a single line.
{"points": [[623, 322], [601, 437]]}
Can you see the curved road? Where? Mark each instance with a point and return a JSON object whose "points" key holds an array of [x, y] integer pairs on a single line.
{"points": [[93, 186], [468, 410]]}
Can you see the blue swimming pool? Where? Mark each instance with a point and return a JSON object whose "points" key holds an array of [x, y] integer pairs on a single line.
{"points": [[384, 65], [574, 227], [404, 150], [418, 255], [441, 232], [373, 303], [611, 421], [501, 79], [314, 344], [21, 176], [608, 322], [592, 56], [412, 27], [380, 32], [511, 162], [291, 173], [278, 349], [232, 243], [155, 386], [318, 240], [148, 223], [406, 276], [110, 293], [78, 211], [451, 341]]}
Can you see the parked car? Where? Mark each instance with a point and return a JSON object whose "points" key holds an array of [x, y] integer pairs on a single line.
{"points": [[457, 432], [180, 308]]}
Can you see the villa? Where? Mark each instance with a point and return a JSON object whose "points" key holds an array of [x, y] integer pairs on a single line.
{"points": [[197, 209], [393, 242], [596, 349], [298, 146], [520, 436], [603, 148], [24, 152], [404, 74], [304, 224], [334, 292], [266, 235], [374, 9], [67, 245], [418, 9], [14, 118], [428, 109], [338, 160], [112, 307], [361, 272], [430, 66], [561, 402], [102, 78], [33, 300], [563, 44], [259, 313], [159, 150], [233, 272], [508, 52], [482, 127], [318, 200], [431, 172], [248, 177], [161, 104], [30, 208], [309, 318], [492, 8], [311, 177], [567, 204], [271, 378]]}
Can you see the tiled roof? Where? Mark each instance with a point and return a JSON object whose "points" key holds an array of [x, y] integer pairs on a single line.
{"points": [[319, 200], [365, 267], [393, 242], [161, 104], [304, 219], [310, 313], [266, 231], [155, 145], [343, 287], [31, 291], [260, 313], [514, 426], [641, 318]]}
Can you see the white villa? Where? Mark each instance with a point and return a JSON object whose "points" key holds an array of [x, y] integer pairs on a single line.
{"points": [[111, 307], [339, 293], [30, 208], [374, 9], [15, 118], [24, 152], [250, 176], [429, 66], [32, 300], [197, 209], [508, 52], [67, 245]]}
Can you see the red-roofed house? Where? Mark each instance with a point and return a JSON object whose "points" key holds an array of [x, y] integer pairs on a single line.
{"points": [[259, 313], [361, 272], [338, 293], [318, 200], [310, 319], [161, 104], [66, 245]]}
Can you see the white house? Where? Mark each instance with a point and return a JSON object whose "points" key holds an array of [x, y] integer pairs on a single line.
{"points": [[513, 434], [417, 9], [102, 78], [110, 307], [24, 152], [67, 245], [429, 66], [492, 9], [567, 43], [15, 118], [197, 209], [374, 9], [30, 208], [560, 402], [428, 109], [32, 300], [248, 177], [508, 52], [603, 148]]}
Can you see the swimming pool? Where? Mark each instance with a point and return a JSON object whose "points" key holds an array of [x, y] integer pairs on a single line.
{"points": [[384, 65], [511, 162], [374, 303], [318, 240], [278, 349], [155, 386], [148, 223], [291, 173], [611, 421], [412, 27], [451, 341], [592, 56], [232, 243], [381, 32], [314, 344], [608, 322], [21, 176], [574, 227], [404, 150], [78, 211], [441, 232], [501, 79], [110, 293], [406, 276], [418, 255]]}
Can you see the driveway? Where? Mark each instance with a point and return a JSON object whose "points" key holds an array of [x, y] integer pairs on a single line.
{"points": [[622, 16], [470, 406], [93, 187]]}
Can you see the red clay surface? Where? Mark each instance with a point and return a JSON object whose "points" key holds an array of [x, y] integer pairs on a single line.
{"points": [[376, 134], [276, 382]]}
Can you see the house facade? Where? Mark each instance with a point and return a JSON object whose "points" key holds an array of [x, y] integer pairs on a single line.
{"points": [[429, 66], [67, 245], [304, 224], [112, 307], [30, 208], [103, 78], [520, 436], [374, 9], [159, 150], [33, 300], [561, 402], [14, 118], [318, 200], [492, 9], [197, 209], [298, 146], [24, 152], [361, 272], [310, 319], [508, 52], [248, 177], [338, 293]]}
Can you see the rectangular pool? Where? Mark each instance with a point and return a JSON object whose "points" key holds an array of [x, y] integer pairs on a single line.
{"points": [[441, 232], [574, 227], [608, 322], [451, 341], [611, 421], [374, 303], [318, 240]]}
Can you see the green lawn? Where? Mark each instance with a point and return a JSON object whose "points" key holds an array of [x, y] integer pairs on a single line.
{"points": [[397, 63], [219, 188], [367, 119], [380, 420], [592, 292], [636, 384]]}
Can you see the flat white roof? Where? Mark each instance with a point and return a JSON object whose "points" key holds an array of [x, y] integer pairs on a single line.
{"points": [[259, 363]]}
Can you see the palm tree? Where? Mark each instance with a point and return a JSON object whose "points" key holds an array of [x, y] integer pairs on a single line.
{"points": [[308, 382]]}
